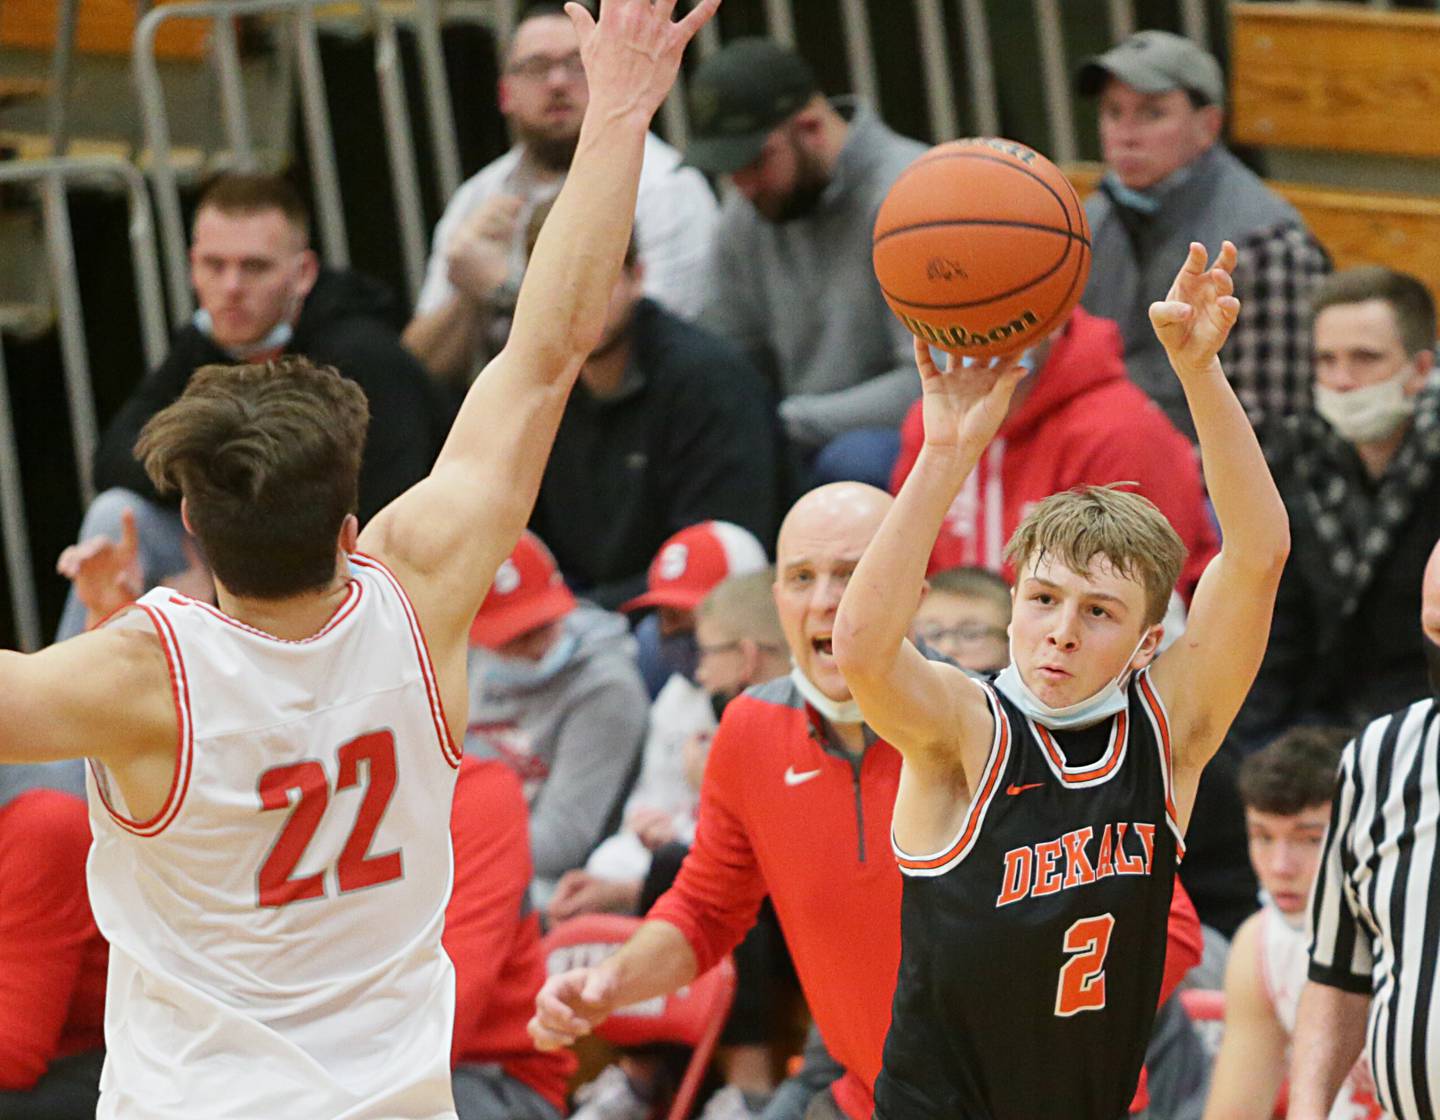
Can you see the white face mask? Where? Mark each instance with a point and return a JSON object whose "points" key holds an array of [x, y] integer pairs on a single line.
{"points": [[1370, 412], [1109, 701], [277, 338], [836, 711]]}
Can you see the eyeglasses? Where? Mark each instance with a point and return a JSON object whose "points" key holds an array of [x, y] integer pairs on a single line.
{"points": [[967, 633], [726, 647], [538, 67]]}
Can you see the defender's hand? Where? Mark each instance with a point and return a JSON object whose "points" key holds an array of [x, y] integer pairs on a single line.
{"points": [[632, 53], [1195, 317]]}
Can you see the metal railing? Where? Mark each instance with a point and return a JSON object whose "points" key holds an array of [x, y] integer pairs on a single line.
{"points": [[52, 179], [299, 38]]}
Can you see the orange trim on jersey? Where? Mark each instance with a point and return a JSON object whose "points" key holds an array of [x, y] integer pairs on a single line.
{"points": [[1152, 704], [999, 757], [448, 749], [1096, 771], [184, 746], [346, 608]]}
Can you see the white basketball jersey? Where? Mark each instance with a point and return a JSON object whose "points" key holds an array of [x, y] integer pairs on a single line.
{"points": [[1284, 966], [275, 929]]}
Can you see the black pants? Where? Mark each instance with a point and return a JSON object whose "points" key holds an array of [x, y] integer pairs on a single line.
{"points": [[68, 1090]]}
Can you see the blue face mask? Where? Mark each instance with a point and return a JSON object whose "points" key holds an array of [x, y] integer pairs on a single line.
{"points": [[510, 673], [678, 653], [1109, 701], [278, 338]]}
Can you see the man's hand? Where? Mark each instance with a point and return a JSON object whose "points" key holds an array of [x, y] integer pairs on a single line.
{"points": [[477, 258], [106, 574], [579, 892], [570, 1006], [632, 54], [964, 407], [1195, 317], [654, 827]]}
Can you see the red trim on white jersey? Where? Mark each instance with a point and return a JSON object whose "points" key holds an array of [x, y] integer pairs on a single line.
{"points": [[1155, 710], [448, 748], [354, 591], [942, 861], [184, 746]]}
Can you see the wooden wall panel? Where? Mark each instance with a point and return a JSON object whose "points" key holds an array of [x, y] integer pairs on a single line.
{"points": [[1343, 79], [104, 27]]}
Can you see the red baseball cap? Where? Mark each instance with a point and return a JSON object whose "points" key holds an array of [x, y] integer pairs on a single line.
{"points": [[694, 560], [528, 591]]}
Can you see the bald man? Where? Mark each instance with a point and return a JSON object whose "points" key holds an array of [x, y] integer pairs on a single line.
{"points": [[795, 803]]}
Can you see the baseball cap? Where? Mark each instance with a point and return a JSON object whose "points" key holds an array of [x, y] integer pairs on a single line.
{"points": [[737, 96], [528, 591], [694, 560], [1155, 62]]}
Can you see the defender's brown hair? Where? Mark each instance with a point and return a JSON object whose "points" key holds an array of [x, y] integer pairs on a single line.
{"points": [[267, 458], [1294, 772], [1075, 526]]}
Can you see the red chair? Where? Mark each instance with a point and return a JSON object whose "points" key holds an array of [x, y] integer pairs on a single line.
{"points": [[693, 1016]]}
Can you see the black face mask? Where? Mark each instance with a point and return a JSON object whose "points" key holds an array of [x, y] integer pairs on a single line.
{"points": [[1432, 660]]}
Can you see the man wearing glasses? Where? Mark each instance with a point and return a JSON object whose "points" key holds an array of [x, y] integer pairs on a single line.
{"points": [[478, 254]]}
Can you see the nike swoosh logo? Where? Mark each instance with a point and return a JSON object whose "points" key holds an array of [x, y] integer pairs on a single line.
{"points": [[1012, 789], [794, 779]]}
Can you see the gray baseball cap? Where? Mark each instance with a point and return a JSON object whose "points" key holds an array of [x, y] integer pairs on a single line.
{"points": [[1155, 62], [737, 96]]}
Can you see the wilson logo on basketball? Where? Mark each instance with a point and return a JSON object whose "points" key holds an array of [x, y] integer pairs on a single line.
{"points": [[958, 337]]}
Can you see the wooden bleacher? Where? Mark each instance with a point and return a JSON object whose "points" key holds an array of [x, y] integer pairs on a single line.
{"points": [[1308, 76], [102, 27]]}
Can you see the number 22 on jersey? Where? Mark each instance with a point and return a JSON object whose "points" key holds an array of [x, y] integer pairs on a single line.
{"points": [[356, 868], [1082, 978]]}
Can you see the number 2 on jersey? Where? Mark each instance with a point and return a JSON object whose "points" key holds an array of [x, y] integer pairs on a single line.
{"points": [[356, 868], [1082, 979]]}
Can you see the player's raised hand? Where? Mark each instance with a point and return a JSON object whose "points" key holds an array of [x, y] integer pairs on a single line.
{"points": [[964, 407], [570, 1005], [632, 53], [1195, 317], [106, 573]]}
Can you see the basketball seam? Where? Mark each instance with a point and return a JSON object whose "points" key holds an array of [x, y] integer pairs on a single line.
{"points": [[1068, 234], [1051, 271]]}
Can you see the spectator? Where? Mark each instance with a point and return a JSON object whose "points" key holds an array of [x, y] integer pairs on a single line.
{"points": [[493, 938], [1360, 475], [685, 568], [965, 615], [667, 427], [463, 311], [1288, 789], [1075, 420], [1168, 181], [1373, 916], [262, 293], [555, 694], [52, 958], [790, 281]]}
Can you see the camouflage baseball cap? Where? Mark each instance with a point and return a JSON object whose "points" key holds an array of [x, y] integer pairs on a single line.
{"points": [[1155, 62], [737, 96]]}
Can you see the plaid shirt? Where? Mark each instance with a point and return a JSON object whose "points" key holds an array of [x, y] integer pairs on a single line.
{"points": [[1268, 355]]}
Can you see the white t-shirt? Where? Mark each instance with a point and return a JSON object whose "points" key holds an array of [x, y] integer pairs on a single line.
{"points": [[275, 930], [675, 216]]}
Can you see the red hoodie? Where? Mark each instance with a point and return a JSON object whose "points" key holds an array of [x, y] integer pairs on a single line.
{"points": [[1084, 421]]}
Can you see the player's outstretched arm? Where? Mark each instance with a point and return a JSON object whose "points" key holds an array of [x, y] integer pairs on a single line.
{"points": [[656, 961], [922, 707], [451, 531], [1204, 676], [1251, 1064]]}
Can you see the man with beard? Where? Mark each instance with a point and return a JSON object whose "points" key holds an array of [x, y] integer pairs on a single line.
{"points": [[666, 428], [463, 312], [790, 279]]}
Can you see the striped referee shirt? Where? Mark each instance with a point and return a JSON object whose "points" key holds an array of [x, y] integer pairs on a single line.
{"points": [[1375, 915]]}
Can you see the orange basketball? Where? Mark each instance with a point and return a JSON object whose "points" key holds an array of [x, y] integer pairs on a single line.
{"points": [[981, 247]]}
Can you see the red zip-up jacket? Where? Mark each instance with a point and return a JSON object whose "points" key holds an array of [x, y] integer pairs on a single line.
{"points": [[1083, 421], [784, 810]]}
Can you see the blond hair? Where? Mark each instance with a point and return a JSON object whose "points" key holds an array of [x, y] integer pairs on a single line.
{"points": [[745, 607], [1075, 526]]}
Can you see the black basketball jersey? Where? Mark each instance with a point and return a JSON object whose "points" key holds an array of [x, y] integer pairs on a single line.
{"points": [[1033, 947]]}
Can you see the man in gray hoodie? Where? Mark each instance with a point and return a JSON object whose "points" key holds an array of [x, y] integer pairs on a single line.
{"points": [[555, 694]]}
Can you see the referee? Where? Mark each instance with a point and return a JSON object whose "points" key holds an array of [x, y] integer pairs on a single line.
{"points": [[1376, 914]]}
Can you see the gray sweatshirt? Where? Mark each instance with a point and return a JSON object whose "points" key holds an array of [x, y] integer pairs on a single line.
{"points": [[805, 292], [572, 735]]}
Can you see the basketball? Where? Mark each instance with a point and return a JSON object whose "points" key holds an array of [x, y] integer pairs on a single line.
{"points": [[981, 247]]}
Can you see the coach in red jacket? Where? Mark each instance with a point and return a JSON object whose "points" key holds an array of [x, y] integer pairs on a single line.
{"points": [[1078, 420]]}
